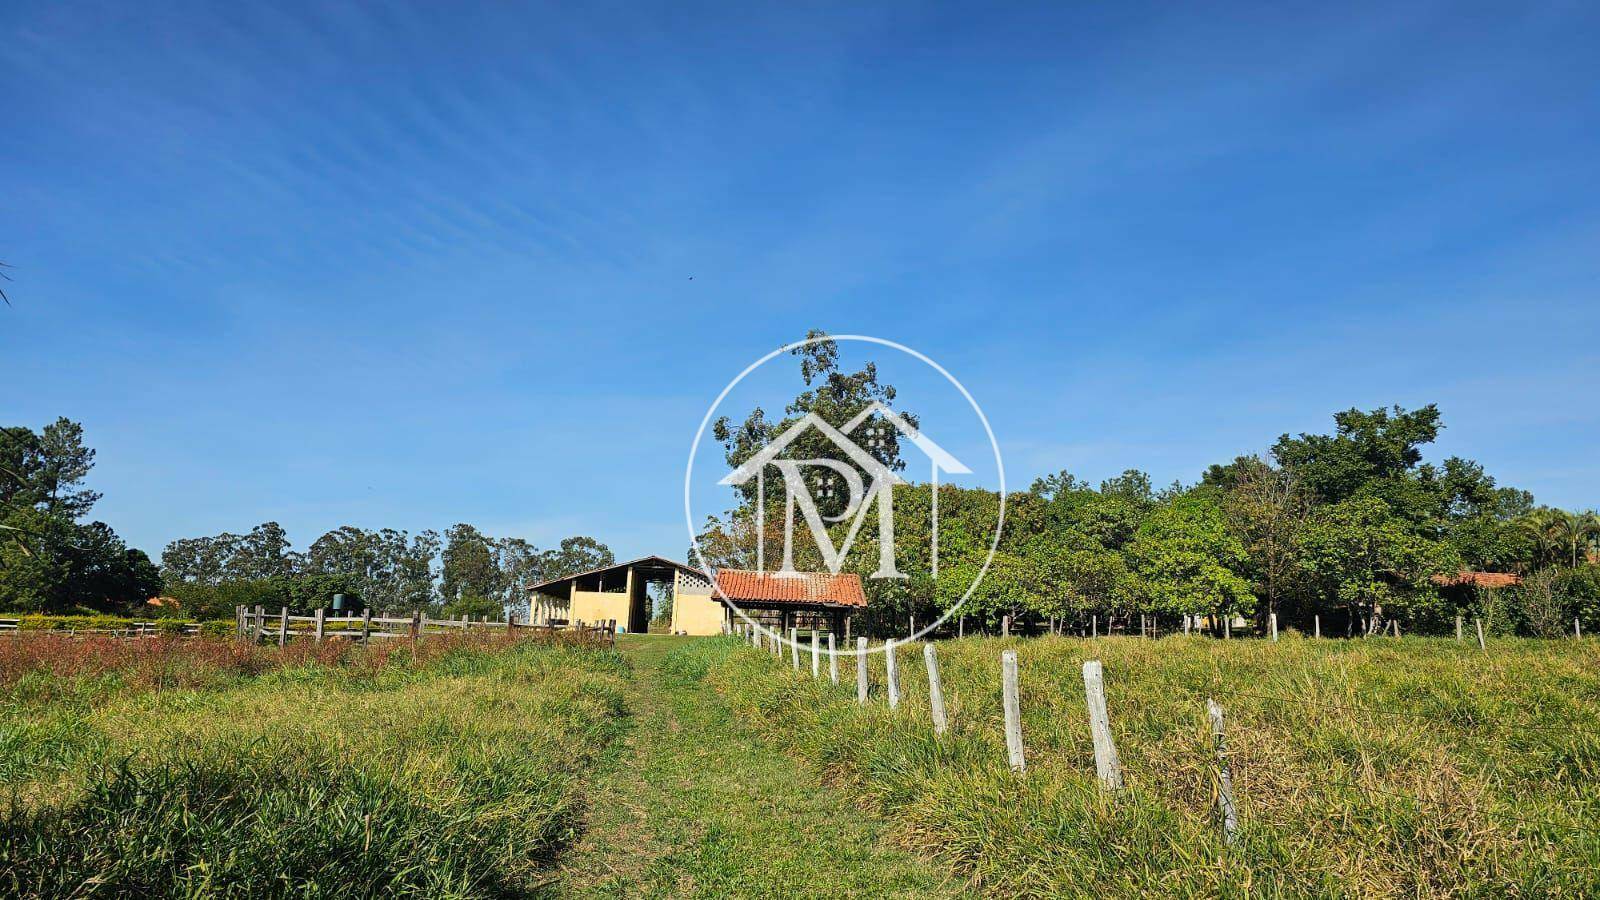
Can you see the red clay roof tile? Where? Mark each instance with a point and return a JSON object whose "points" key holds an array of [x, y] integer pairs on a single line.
{"points": [[743, 585], [1479, 579]]}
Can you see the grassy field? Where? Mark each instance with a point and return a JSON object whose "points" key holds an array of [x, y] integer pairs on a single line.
{"points": [[700, 767], [452, 769], [1378, 768]]}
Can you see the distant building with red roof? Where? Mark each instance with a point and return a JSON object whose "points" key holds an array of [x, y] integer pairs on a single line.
{"points": [[805, 600], [1478, 579]]}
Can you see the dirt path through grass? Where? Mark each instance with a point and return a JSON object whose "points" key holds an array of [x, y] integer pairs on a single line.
{"points": [[693, 806]]}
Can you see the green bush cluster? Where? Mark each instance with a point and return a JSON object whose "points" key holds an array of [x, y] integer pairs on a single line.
{"points": [[1545, 604]]}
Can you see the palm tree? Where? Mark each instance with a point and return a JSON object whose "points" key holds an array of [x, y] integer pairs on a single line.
{"points": [[1543, 527], [1561, 537], [1582, 531]]}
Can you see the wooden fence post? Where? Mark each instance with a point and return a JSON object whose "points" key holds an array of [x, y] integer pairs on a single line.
{"points": [[935, 689], [861, 670], [816, 655], [322, 615], [238, 621], [1005, 626], [891, 676], [1272, 619], [1478, 624], [1012, 703], [1107, 766], [416, 626], [283, 627], [261, 622], [833, 660], [366, 625], [1225, 805]]}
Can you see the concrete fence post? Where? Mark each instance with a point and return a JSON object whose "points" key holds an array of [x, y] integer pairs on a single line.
{"points": [[891, 674], [833, 660], [816, 655], [1011, 701], [1107, 765], [935, 689], [1225, 806], [861, 670]]}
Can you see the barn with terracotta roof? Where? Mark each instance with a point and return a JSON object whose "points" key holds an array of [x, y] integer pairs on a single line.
{"points": [[781, 601], [626, 592]]}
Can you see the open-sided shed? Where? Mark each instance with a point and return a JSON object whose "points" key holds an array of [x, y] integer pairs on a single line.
{"points": [[622, 592]]}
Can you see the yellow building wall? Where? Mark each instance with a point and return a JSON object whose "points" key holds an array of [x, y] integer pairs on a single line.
{"points": [[594, 606], [693, 610]]}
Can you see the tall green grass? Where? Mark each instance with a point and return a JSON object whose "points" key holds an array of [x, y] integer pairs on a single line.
{"points": [[460, 776], [1376, 768]]}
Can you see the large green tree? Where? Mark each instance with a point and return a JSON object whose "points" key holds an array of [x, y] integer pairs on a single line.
{"points": [[470, 565], [49, 560], [1188, 562], [1362, 557], [832, 394]]}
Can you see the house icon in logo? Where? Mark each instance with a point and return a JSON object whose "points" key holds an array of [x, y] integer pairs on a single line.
{"points": [[871, 423]]}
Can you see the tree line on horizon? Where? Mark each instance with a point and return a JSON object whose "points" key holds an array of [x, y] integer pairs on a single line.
{"points": [[462, 572], [1353, 526], [51, 561]]}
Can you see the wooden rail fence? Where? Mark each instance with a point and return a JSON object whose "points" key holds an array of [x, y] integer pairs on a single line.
{"points": [[258, 624], [131, 629]]}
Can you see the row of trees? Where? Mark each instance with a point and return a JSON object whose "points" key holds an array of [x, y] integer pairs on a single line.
{"points": [[1354, 526], [53, 561], [464, 572]]}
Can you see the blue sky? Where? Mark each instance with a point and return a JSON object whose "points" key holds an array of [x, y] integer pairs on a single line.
{"points": [[408, 265]]}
